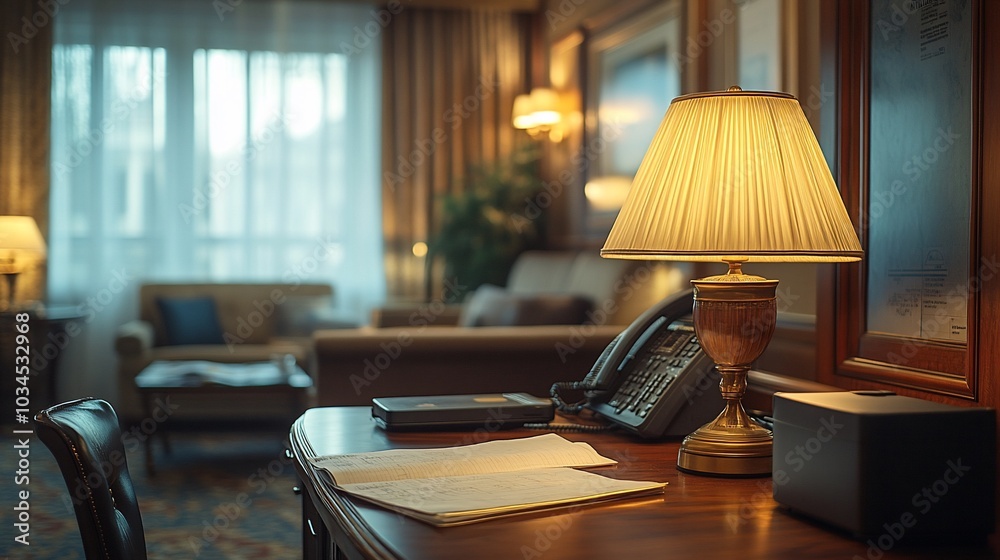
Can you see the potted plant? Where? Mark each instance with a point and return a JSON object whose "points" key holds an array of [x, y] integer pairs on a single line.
{"points": [[489, 223]]}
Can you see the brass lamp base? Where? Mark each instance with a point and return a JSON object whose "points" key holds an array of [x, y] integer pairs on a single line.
{"points": [[734, 317], [726, 450]]}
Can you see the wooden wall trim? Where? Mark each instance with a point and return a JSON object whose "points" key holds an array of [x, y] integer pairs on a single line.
{"points": [[762, 385]]}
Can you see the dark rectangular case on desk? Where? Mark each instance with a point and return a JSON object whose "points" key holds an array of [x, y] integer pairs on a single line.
{"points": [[884, 466], [494, 411]]}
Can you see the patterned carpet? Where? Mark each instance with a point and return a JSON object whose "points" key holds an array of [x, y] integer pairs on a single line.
{"points": [[217, 496]]}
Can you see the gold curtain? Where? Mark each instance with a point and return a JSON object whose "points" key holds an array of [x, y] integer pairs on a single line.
{"points": [[449, 81], [25, 83]]}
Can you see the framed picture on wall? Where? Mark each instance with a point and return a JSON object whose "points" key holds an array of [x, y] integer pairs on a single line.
{"points": [[634, 71]]}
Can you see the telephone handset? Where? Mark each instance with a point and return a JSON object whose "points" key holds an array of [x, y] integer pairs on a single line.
{"points": [[654, 379]]}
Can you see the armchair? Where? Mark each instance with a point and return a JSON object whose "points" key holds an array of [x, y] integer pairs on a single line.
{"points": [[498, 340]]}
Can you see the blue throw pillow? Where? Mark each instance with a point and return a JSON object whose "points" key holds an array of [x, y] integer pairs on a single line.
{"points": [[190, 320]]}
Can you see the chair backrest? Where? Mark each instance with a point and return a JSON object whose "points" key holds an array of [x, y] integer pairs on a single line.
{"points": [[85, 438]]}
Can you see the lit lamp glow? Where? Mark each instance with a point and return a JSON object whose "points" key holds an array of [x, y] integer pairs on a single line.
{"points": [[538, 113], [734, 176], [607, 193], [21, 244]]}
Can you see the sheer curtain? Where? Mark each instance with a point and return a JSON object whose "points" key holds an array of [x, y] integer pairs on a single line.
{"points": [[210, 142]]}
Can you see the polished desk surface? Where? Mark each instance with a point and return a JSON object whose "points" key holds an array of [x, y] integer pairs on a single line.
{"points": [[697, 517]]}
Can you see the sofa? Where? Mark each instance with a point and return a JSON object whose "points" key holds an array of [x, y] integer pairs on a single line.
{"points": [[496, 340], [221, 322]]}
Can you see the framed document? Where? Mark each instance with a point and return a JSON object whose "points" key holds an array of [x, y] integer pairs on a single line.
{"points": [[920, 169], [910, 161]]}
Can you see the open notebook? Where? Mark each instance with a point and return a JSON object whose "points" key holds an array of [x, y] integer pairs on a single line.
{"points": [[464, 484]]}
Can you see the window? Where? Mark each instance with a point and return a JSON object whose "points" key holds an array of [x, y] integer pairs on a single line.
{"points": [[190, 147]]}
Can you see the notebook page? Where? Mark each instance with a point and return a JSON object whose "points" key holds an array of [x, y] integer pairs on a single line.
{"points": [[549, 450]]}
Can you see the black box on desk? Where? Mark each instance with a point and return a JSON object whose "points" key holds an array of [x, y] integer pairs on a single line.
{"points": [[884, 466]]}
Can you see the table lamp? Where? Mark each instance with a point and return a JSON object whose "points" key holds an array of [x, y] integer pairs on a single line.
{"points": [[733, 176], [21, 244]]}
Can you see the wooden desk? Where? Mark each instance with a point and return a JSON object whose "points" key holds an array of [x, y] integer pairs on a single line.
{"points": [[697, 517]]}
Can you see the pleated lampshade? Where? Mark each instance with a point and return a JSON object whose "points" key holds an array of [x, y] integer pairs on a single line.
{"points": [[734, 175]]}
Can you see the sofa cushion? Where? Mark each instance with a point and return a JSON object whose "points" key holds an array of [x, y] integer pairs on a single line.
{"points": [[492, 306], [299, 316], [540, 272], [190, 320]]}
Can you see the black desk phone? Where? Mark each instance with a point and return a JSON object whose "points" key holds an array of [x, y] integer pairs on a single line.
{"points": [[654, 379]]}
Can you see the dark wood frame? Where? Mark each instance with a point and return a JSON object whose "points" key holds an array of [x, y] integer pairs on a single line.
{"points": [[936, 368]]}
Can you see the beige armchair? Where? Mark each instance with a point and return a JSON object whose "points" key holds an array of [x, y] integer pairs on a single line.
{"points": [[429, 349]]}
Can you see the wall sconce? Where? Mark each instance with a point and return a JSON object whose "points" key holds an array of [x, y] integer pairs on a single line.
{"points": [[539, 113], [21, 244], [607, 193]]}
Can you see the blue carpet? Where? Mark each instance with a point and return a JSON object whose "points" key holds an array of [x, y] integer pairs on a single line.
{"points": [[215, 496]]}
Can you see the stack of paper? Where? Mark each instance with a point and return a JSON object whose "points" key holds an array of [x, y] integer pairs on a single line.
{"points": [[457, 485]]}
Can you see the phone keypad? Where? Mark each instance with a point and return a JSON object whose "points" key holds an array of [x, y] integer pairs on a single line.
{"points": [[653, 370]]}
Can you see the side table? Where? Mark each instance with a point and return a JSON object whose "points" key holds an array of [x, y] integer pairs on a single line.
{"points": [[50, 330]]}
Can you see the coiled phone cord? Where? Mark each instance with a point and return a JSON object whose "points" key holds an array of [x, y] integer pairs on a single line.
{"points": [[574, 409]]}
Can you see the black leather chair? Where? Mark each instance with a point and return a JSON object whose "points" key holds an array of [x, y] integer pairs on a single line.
{"points": [[85, 438]]}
